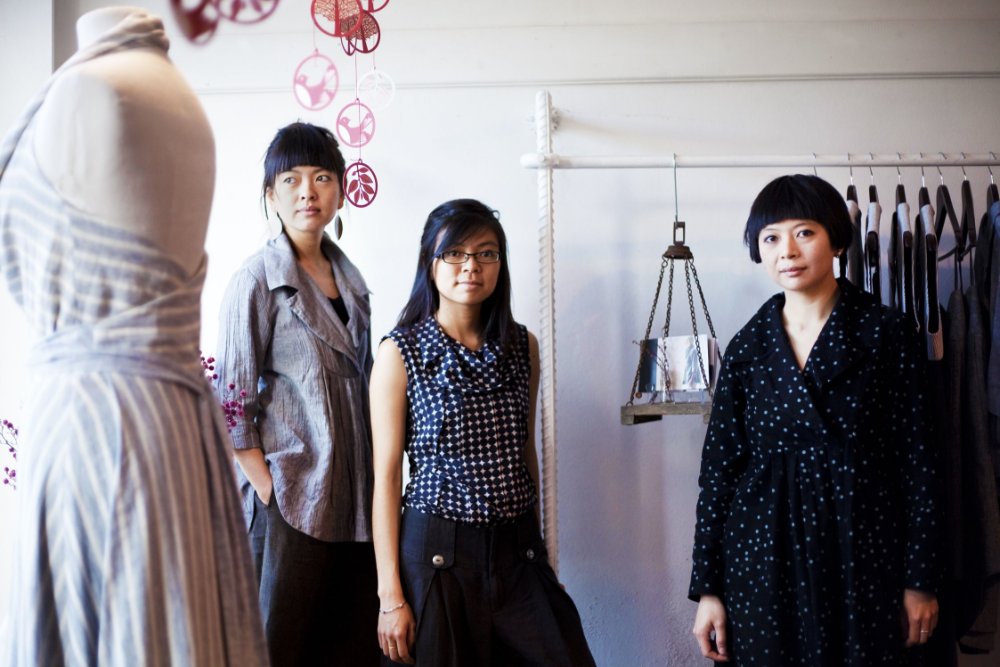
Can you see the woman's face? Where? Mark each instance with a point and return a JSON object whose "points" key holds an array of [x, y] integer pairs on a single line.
{"points": [[306, 198], [472, 281], [797, 254]]}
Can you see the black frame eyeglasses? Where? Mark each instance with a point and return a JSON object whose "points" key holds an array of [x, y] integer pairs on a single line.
{"points": [[460, 257]]}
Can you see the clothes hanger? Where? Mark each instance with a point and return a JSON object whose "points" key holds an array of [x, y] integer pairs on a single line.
{"points": [[900, 188], [851, 261], [992, 195], [923, 196], [946, 211], [872, 255], [852, 192]]}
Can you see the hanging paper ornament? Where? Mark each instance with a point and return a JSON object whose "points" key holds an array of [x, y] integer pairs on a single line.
{"points": [[356, 124], [197, 19], [337, 18], [316, 81], [365, 39], [376, 89], [360, 184], [246, 11], [372, 6]]}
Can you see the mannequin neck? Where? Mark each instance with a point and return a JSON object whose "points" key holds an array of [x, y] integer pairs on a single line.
{"points": [[94, 24]]}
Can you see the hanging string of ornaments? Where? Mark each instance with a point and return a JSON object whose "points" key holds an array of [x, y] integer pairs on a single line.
{"points": [[316, 79], [353, 23]]}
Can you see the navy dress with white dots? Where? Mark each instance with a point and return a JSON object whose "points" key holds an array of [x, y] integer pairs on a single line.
{"points": [[818, 502]]}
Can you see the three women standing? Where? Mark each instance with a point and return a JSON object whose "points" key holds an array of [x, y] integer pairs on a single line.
{"points": [[818, 519], [463, 574], [295, 337]]}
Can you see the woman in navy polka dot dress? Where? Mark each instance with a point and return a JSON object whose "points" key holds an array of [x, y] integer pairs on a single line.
{"points": [[463, 575], [818, 519]]}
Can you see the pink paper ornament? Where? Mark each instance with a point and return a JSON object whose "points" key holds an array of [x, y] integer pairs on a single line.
{"points": [[356, 124], [246, 11], [315, 82], [337, 18], [372, 6], [360, 184], [365, 39], [197, 19]]}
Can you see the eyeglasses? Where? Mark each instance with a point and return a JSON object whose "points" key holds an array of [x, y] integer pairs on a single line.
{"points": [[459, 257]]}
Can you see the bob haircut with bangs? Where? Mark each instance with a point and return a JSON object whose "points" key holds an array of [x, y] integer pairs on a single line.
{"points": [[298, 145], [799, 197], [447, 226]]}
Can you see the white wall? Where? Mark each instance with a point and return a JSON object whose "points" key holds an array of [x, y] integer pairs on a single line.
{"points": [[646, 77]]}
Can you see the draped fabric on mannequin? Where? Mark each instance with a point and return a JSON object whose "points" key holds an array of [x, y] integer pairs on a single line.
{"points": [[963, 351]]}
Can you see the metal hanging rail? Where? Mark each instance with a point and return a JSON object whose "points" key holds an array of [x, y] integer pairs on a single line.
{"points": [[556, 161]]}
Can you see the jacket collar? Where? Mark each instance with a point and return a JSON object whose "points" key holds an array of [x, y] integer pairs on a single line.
{"points": [[308, 302], [855, 321]]}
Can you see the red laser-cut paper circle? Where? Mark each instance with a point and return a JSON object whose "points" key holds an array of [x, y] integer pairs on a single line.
{"points": [[337, 18], [356, 124], [315, 82], [246, 11], [376, 89], [372, 6], [360, 184], [364, 40], [197, 19]]}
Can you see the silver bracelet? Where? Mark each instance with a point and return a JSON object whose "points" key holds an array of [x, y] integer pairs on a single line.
{"points": [[392, 609]]}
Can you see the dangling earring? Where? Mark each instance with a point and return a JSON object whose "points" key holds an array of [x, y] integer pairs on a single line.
{"points": [[338, 227]]}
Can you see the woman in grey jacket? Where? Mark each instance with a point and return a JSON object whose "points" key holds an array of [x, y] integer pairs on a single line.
{"points": [[294, 336]]}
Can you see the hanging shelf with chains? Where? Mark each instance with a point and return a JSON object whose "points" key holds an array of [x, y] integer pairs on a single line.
{"points": [[652, 357]]}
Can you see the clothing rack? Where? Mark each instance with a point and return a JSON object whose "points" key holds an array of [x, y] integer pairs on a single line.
{"points": [[548, 160], [545, 161]]}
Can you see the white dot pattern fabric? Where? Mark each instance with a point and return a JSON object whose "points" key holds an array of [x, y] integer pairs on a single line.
{"points": [[819, 500], [467, 425]]}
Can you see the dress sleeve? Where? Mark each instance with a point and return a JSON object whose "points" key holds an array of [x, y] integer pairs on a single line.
{"points": [[921, 484], [723, 461], [245, 331]]}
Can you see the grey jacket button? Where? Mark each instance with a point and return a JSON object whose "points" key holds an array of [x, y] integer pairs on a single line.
{"points": [[437, 560], [530, 553]]}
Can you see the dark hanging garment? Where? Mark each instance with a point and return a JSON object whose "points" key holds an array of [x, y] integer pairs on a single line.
{"points": [[852, 261], [872, 253], [901, 259], [925, 280], [979, 596], [987, 270]]}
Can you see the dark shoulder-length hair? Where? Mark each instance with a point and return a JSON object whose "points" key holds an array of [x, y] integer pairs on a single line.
{"points": [[449, 225], [799, 197], [301, 144]]}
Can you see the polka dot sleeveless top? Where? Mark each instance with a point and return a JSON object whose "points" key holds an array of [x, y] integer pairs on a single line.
{"points": [[466, 426]]}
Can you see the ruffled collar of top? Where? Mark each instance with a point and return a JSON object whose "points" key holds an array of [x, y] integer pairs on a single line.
{"points": [[450, 364]]}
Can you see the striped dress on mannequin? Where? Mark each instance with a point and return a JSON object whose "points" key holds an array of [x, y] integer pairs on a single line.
{"points": [[131, 547]]}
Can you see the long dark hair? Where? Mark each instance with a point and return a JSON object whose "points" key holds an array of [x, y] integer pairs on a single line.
{"points": [[455, 221], [301, 144]]}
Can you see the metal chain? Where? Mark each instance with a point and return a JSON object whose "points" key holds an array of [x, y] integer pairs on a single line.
{"points": [[649, 328], [704, 306], [688, 267], [666, 324]]}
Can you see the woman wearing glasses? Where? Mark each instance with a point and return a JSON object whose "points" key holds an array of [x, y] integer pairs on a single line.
{"points": [[463, 574]]}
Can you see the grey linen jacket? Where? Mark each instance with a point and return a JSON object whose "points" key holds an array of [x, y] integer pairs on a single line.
{"points": [[305, 375]]}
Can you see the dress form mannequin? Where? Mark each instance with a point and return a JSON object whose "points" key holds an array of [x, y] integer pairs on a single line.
{"points": [[123, 138], [105, 189]]}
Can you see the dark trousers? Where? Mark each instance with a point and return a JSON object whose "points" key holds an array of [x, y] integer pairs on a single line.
{"points": [[318, 599], [486, 597]]}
